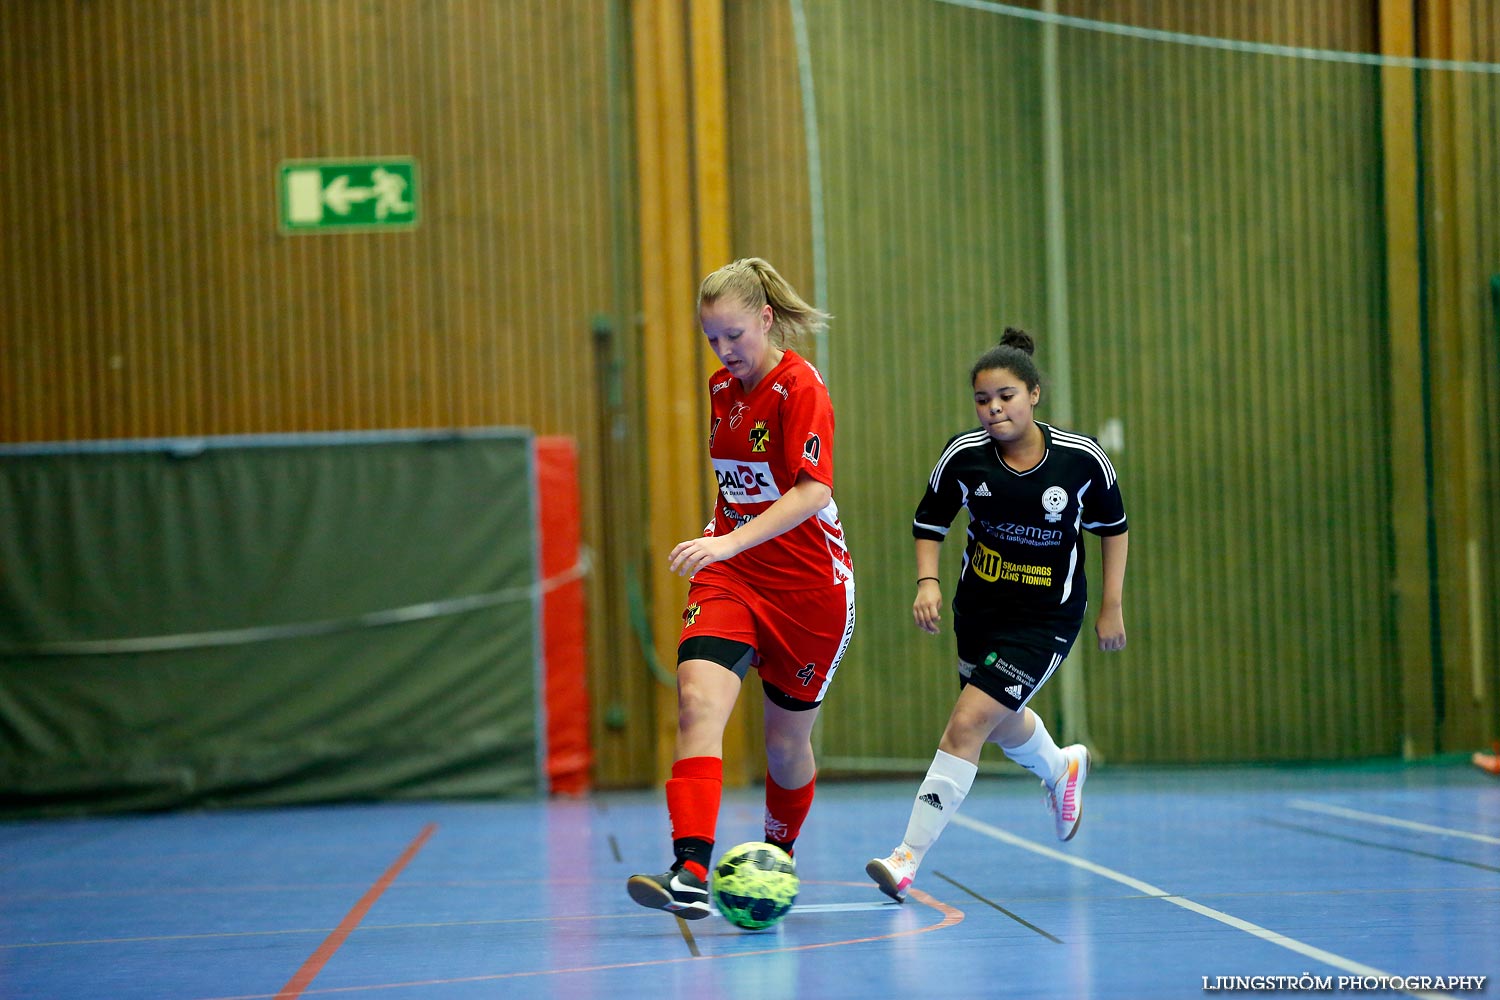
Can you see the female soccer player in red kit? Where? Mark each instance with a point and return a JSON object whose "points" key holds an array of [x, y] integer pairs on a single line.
{"points": [[772, 582]]}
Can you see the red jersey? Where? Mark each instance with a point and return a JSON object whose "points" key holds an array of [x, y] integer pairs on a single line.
{"points": [[759, 442]]}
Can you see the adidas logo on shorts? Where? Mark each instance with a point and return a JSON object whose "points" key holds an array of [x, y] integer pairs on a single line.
{"points": [[1014, 690]]}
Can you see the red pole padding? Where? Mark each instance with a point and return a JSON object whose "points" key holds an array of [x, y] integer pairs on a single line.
{"points": [[564, 617]]}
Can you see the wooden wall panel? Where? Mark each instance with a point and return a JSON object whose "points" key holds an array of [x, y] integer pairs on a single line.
{"points": [[931, 156], [1221, 253], [149, 292], [1224, 279], [770, 200], [1460, 256], [1483, 32], [154, 270], [1230, 287], [1340, 25]]}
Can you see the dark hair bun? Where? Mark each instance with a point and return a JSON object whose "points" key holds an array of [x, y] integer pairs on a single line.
{"points": [[1019, 339]]}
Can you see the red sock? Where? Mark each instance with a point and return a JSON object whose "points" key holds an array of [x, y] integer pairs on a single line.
{"points": [[693, 794], [786, 808]]}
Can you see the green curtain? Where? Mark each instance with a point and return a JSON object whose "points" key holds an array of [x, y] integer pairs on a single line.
{"points": [[267, 621]]}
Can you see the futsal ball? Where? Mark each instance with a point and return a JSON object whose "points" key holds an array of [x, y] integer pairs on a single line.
{"points": [[755, 885]]}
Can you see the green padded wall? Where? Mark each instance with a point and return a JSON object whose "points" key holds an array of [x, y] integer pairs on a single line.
{"points": [[267, 621]]}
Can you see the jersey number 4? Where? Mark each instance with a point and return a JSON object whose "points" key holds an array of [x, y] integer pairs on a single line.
{"points": [[807, 673]]}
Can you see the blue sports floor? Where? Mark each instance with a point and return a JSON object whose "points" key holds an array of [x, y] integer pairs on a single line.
{"points": [[1176, 876]]}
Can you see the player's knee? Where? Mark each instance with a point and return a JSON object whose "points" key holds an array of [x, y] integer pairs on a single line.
{"points": [[1011, 730], [697, 704], [692, 708], [787, 748], [966, 732]]}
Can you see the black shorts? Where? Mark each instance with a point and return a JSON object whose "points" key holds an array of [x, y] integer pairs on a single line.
{"points": [[1010, 662]]}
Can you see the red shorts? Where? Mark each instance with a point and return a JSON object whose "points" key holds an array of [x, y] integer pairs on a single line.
{"points": [[798, 636]]}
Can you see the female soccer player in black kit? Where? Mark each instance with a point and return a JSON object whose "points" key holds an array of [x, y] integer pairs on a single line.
{"points": [[1030, 490]]}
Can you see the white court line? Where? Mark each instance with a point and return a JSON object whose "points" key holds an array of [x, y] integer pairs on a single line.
{"points": [[1146, 888], [889, 904], [1404, 824]]}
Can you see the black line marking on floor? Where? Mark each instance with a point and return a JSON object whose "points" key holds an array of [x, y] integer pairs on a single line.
{"points": [[1314, 831], [687, 935], [614, 846], [990, 902]]}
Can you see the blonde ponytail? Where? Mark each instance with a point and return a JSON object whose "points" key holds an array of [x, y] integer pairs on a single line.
{"points": [[754, 283]]}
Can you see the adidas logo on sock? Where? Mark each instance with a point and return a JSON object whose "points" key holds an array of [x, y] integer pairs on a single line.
{"points": [[983, 491], [931, 799], [1014, 690]]}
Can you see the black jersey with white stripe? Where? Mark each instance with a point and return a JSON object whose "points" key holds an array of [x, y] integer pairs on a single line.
{"points": [[1024, 559]]}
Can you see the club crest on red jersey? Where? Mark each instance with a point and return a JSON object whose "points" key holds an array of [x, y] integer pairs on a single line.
{"points": [[760, 436]]}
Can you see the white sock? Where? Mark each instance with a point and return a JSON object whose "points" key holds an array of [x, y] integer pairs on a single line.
{"points": [[938, 798], [1039, 754]]}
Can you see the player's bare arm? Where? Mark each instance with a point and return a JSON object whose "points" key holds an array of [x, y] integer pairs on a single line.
{"points": [[1110, 626], [927, 609], [803, 500]]}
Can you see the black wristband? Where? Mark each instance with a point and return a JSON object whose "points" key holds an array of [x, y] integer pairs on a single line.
{"points": [[932, 578]]}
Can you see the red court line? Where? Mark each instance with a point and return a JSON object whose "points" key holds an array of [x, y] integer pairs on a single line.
{"points": [[951, 915], [315, 962]]}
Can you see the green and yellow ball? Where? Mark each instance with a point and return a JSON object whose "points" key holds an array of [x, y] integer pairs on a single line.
{"points": [[754, 885]]}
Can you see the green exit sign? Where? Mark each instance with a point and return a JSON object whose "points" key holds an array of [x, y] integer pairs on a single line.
{"points": [[335, 195]]}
